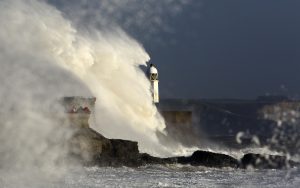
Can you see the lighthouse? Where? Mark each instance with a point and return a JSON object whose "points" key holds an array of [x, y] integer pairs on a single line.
{"points": [[153, 73]]}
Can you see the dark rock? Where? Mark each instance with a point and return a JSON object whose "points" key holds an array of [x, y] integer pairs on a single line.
{"points": [[122, 153], [124, 148], [91, 148], [148, 159], [266, 161], [209, 159], [86, 144], [199, 158]]}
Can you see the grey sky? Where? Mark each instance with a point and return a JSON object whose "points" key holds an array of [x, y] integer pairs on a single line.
{"points": [[233, 48], [222, 48]]}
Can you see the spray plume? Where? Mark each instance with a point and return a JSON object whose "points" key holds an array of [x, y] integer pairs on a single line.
{"points": [[43, 58]]}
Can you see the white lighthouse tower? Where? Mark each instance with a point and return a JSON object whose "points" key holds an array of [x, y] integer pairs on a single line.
{"points": [[154, 83]]}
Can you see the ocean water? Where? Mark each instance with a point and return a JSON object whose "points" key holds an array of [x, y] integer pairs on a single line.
{"points": [[181, 176], [166, 176]]}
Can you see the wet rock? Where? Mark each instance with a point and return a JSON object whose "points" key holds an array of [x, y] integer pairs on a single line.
{"points": [[86, 144], [209, 159], [259, 161], [121, 153], [91, 148], [147, 159]]}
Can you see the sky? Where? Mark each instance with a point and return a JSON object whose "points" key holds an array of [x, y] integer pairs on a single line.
{"points": [[219, 48]]}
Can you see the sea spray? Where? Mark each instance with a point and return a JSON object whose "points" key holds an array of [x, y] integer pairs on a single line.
{"points": [[43, 58], [111, 69], [108, 63], [33, 126]]}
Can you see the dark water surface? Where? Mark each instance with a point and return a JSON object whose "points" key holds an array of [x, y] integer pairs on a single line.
{"points": [[180, 176]]}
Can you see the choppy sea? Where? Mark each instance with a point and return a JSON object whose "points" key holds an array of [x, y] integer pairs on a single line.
{"points": [[181, 176], [167, 176]]}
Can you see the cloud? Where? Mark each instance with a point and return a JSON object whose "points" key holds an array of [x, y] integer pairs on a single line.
{"points": [[139, 17]]}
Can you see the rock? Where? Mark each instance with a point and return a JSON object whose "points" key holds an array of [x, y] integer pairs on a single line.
{"points": [[259, 161], [121, 153], [147, 159], [91, 148], [198, 158], [209, 159], [86, 144]]}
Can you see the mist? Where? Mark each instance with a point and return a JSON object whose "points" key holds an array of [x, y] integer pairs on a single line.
{"points": [[44, 57]]}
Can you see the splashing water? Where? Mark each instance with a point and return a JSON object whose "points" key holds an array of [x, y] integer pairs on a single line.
{"points": [[108, 63], [31, 120], [124, 106], [43, 58]]}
